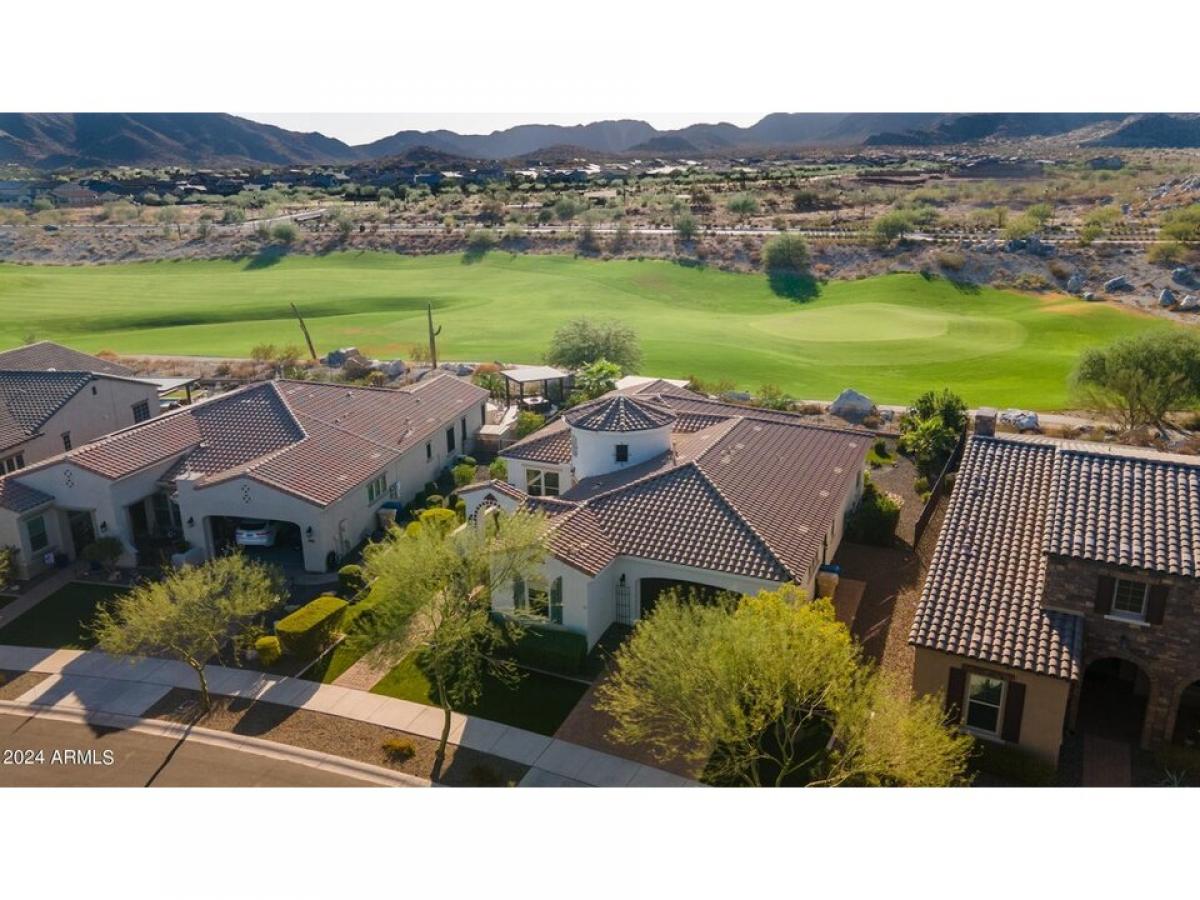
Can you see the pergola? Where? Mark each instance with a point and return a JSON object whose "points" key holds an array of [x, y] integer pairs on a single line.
{"points": [[524, 375]]}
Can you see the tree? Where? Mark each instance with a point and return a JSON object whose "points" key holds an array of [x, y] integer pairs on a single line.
{"points": [[1138, 380], [1041, 214], [193, 614], [786, 253], [597, 378], [930, 429], [686, 228], [285, 232], [754, 689], [890, 227], [528, 422], [583, 341], [434, 587], [742, 205]]}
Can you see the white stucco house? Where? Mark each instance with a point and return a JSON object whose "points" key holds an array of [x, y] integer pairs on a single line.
{"points": [[319, 458], [53, 398], [655, 487]]}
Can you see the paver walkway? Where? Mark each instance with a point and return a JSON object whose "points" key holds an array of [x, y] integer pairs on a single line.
{"points": [[96, 682], [1106, 762]]}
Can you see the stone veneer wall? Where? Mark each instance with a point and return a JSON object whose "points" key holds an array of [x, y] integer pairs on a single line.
{"points": [[1169, 653]]}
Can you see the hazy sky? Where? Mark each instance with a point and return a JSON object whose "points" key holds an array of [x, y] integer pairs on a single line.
{"points": [[361, 128]]}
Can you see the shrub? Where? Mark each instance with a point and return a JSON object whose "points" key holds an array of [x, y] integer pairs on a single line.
{"points": [[874, 521], [880, 447], [921, 485], [104, 551], [553, 649], [467, 461], [463, 474], [434, 501], [399, 749], [1060, 269], [528, 422], [1012, 764], [268, 649], [498, 470], [951, 260], [351, 580], [460, 509], [308, 630], [285, 232]]}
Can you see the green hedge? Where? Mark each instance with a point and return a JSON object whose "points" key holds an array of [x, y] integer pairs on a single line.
{"points": [[351, 580], [309, 630], [874, 521], [552, 649], [268, 649]]}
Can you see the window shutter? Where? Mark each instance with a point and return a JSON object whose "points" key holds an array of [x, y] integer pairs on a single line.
{"points": [[955, 687], [556, 610], [1014, 706], [1157, 604], [1104, 594]]}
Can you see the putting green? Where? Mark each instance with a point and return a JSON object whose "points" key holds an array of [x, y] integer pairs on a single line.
{"points": [[891, 337]]}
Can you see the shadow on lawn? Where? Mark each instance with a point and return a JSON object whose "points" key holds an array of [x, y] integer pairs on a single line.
{"points": [[798, 286], [266, 257]]}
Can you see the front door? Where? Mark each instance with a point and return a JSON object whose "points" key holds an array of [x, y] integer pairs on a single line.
{"points": [[83, 529]]}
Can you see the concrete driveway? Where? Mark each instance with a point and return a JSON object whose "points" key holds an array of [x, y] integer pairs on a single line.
{"points": [[103, 757]]}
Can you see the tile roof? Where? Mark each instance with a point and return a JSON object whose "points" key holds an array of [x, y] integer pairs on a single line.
{"points": [[551, 444], [316, 441], [29, 398], [19, 497], [1140, 511], [619, 412], [44, 356]]}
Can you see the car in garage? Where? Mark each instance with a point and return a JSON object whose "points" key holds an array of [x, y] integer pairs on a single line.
{"points": [[256, 533]]}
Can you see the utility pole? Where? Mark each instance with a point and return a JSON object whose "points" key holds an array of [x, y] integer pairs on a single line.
{"points": [[307, 338], [433, 333]]}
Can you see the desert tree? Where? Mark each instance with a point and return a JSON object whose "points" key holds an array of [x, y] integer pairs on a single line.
{"points": [[1139, 380], [582, 341], [434, 584], [194, 614]]}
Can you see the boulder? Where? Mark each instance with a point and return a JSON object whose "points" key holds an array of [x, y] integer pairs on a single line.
{"points": [[1190, 303], [1038, 247], [1016, 245], [1120, 283], [338, 357], [1166, 297], [1075, 283], [1183, 275], [852, 405], [1089, 296], [1020, 419], [393, 368]]}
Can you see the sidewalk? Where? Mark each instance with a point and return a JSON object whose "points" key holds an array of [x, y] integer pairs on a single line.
{"points": [[98, 683]]}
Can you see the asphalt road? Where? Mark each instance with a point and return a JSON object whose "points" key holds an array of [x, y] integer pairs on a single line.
{"points": [[47, 753]]}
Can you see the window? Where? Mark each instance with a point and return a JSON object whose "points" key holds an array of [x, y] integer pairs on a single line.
{"points": [[36, 529], [622, 453], [541, 483], [1129, 599], [141, 411], [985, 698], [538, 601], [428, 450], [377, 488], [556, 604], [12, 463], [464, 431], [450, 439], [66, 440]]}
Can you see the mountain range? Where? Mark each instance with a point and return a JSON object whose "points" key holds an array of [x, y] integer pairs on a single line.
{"points": [[56, 140]]}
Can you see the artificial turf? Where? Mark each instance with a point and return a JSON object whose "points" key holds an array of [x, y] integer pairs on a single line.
{"points": [[62, 620], [537, 703], [892, 336]]}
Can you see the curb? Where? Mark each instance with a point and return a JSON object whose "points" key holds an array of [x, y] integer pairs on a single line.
{"points": [[272, 749]]}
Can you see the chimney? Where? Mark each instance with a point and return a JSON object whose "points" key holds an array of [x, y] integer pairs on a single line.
{"points": [[985, 422]]}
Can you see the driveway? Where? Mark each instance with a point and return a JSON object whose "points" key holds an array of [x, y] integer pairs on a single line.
{"points": [[138, 760]]}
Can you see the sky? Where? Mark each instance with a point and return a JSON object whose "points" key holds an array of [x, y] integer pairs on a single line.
{"points": [[362, 128]]}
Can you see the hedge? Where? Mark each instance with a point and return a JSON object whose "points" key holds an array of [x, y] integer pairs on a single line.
{"points": [[351, 580], [268, 650], [874, 521], [553, 649], [308, 630]]}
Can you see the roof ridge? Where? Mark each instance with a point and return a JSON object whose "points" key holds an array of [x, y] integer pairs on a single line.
{"points": [[793, 419]]}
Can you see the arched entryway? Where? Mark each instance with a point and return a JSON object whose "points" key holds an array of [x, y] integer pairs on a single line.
{"points": [[1187, 717], [1112, 703]]}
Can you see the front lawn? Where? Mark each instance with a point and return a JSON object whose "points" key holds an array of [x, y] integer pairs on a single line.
{"points": [[62, 619], [538, 702]]}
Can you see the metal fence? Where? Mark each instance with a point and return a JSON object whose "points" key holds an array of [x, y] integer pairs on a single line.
{"points": [[938, 488]]}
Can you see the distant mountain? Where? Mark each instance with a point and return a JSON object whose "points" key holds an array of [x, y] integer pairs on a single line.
{"points": [[967, 127], [53, 140], [1153, 130], [139, 139]]}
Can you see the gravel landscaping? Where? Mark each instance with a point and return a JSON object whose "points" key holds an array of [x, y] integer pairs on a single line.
{"points": [[14, 684]]}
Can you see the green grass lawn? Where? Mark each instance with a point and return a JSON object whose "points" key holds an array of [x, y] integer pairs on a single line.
{"points": [[538, 702], [892, 336], [61, 619]]}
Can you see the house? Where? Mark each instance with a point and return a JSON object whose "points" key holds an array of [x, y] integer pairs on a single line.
{"points": [[71, 194], [53, 398], [1064, 593], [16, 193], [318, 460], [658, 488]]}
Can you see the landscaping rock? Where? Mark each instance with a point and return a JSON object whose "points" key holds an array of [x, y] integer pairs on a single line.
{"points": [[1183, 275], [1075, 283], [1120, 283], [336, 358], [1020, 419], [1038, 247], [1190, 303], [1166, 297], [852, 405], [1089, 296]]}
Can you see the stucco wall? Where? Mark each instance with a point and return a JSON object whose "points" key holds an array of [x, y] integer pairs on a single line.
{"points": [[594, 452], [1045, 709], [88, 416]]}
